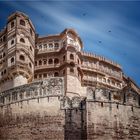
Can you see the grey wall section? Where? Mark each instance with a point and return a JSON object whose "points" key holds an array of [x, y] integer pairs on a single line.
{"points": [[107, 121], [112, 115]]}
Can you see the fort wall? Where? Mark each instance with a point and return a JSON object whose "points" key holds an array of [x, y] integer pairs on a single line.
{"points": [[40, 110]]}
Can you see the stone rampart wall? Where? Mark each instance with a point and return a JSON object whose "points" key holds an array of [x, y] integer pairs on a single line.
{"points": [[42, 111]]}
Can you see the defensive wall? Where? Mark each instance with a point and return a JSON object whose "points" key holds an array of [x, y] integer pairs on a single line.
{"points": [[41, 110]]}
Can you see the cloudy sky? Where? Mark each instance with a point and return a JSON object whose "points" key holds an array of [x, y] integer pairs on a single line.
{"points": [[111, 29]]}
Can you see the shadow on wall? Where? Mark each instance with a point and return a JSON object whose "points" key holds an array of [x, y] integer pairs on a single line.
{"points": [[75, 120]]}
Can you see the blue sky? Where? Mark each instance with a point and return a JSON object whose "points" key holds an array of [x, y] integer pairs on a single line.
{"points": [[107, 28]]}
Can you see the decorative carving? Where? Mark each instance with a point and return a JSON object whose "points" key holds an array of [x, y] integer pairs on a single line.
{"points": [[48, 87], [76, 102], [90, 93], [65, 102]]}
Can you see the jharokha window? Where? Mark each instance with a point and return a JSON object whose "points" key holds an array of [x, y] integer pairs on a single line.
{"points": [[50, 45], [56, 45], [40, 62], [45, 75], [71, 56], [30, 65], [35, 63], [12, 42], [12, 60], [22, 40], [21, 57], [22, 22], [56, 74], [4, 54], [45, 62], [64, 58], [12, 24], [4, 71], [35, 76], [56, 61], [50, 61]]}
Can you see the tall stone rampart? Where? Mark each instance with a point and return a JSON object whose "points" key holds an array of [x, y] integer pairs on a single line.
{"points": [[112, 115], [41, 110]]}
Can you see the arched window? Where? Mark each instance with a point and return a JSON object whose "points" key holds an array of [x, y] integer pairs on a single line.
{"points": [[40, 46], [35, 76], [4, 54], [45, 46], [56, 45], [12, 60], [35, 63], [4, 71], [56, 61], [56, 74], [50, 61], [108, 81], [63, 72], [40, 62], [50, 45], [71, 57], [45, 62], [71, 70], [22, 22], [64, 58], [4, 38], [40, 75], [12, 24], [30, 65], [31, 48], [113, 83], [12, 42], [21, 57], [104, 80], [45, 75], [22, 40], [78, 61]]}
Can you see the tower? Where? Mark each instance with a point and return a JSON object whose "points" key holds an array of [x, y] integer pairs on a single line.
{"points": [[74, 73], [19, 51]]}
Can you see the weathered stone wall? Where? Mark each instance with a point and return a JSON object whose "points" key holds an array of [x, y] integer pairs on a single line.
{"points": [[75, 119], [112, 115], [33, 111], [41, 111], [107, 121], [33, 119], [74, 87]]}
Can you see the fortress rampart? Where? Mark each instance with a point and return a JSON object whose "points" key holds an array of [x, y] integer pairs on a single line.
{"points": [[42, 111]]}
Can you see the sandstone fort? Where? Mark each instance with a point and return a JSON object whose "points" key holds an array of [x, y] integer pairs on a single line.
{"points": [[50, 89]]}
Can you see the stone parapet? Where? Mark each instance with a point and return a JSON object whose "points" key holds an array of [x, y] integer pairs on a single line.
{"points": [[38, 89], [113, 96]]}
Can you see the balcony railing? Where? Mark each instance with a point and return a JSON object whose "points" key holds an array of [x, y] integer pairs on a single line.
{"points": [[99, 69]]}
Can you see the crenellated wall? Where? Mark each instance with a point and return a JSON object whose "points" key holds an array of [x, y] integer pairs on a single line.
{"points": [[107, 121], [112, 115]]}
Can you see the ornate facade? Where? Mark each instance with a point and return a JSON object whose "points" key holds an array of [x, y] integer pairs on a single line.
{"points": [[27, 57]]}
